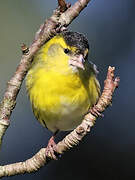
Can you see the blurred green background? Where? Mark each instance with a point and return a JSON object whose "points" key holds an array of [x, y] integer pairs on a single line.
{"points": [[108, 152]]}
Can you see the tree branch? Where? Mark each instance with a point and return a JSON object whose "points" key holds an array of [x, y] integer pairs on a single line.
{"points": [[63, 5], [71, 140]]}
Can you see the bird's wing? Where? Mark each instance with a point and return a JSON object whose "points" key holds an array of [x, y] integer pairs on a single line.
{"points": [[93, 82], [93, 67]]}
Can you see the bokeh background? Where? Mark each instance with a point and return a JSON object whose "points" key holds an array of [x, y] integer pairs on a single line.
{"points": [[108, 152]]}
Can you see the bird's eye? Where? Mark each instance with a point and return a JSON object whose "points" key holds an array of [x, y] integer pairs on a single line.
{"points": [[66, 51]]}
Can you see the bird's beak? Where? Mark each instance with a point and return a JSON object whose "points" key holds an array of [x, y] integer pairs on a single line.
{"points": [[77, 61]]}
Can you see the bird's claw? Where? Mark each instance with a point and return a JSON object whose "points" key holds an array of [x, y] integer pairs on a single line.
{"points": [[51, 149]]}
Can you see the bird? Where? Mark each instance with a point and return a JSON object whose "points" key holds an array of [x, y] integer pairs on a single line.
{"points": [[62, 84]]}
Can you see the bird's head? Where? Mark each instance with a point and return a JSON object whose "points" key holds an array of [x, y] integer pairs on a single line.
{"points": [[71, 47], [77, 48]]}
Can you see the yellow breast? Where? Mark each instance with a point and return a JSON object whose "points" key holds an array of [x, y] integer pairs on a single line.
{"points": [[59, 101]]}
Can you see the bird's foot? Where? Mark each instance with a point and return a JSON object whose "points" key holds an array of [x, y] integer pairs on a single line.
{"points": [[95, 111], [51, 149]]}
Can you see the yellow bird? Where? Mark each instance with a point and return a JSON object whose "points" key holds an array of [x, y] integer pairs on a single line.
{"points": [[62, 83]]}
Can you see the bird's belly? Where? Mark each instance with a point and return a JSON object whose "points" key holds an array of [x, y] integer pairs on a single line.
{"points": [[69, 115], [62, 112]]}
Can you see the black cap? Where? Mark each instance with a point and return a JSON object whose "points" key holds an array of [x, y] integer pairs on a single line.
{"points": [[76, 39]]}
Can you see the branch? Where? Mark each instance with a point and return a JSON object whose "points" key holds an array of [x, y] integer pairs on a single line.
{"points": [[63, 5], [47, 30], [71, 140]]}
